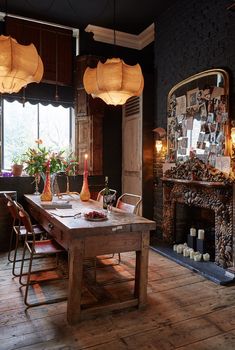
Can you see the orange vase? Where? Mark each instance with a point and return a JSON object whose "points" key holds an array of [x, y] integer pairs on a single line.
{"points": [[47, 194], [85, 193]]}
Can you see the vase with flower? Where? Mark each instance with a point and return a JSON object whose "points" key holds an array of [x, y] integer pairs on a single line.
{"points": [[36, 160]]}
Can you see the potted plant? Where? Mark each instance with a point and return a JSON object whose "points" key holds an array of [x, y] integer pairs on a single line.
{"points": [[17, 165]]}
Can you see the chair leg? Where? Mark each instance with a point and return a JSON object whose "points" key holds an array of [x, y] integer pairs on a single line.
{"points": [[15, 256], [28, 281], [22, 266], [10, 245]]}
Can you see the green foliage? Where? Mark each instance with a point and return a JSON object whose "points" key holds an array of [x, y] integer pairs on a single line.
{"points": [[39, 159]]}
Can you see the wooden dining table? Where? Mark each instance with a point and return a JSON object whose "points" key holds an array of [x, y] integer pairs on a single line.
{"points": [[121, 232]]}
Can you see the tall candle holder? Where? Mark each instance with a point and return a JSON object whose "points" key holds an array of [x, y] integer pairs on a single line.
{"points": [[85, 193]]}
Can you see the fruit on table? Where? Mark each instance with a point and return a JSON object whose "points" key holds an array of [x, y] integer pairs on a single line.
{"points": [[95, 215]]}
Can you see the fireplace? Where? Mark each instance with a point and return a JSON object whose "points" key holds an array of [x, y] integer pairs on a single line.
{"points": [[187, 217], [216, 197]]}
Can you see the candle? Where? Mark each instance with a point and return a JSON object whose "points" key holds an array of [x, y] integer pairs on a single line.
{"points": [[193, 231], [180, 249], [85, 162], [186, 252], [192, 253], [175, 247], [201, 234], [197, 257], [206, 257]]}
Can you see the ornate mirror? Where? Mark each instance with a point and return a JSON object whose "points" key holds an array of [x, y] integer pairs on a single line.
{"points": [[197, 117]]}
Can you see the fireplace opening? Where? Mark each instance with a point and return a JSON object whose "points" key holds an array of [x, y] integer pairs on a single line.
{"points": [[187, 217]]}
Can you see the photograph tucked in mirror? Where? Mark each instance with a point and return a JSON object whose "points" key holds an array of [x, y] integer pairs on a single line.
{"points": [[197, 117]]}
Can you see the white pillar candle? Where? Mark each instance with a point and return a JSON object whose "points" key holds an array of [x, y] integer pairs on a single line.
{"points": [[180, 249], [197, 257], [201, 234], [186, 252], [191, 254], [193, 231], [206, 257], [175, 247]]}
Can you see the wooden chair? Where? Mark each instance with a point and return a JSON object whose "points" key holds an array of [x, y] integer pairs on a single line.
{"points": [[37, 248], [18, 231]]}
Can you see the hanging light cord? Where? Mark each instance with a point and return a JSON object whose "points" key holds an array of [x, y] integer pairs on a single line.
{"points": [[114, 28], [114, 22]]}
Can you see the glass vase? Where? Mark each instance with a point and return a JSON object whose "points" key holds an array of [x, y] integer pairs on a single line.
{"points": [[85, 193], [37, 179], [47, 193]]}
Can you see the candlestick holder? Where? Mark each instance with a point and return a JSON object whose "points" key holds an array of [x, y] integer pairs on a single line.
{"points": [[192, 241], [85, 193]]}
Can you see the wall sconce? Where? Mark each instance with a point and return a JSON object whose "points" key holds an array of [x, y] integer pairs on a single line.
{"points": [[158, 145], [160, 138]]}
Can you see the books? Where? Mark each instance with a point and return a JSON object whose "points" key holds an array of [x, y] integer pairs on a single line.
{"points": [[56, 205]]}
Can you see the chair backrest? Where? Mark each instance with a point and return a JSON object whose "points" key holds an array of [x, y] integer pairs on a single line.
{"points": [[129, 202], [12, 207], [25, 218], [100, 195]]}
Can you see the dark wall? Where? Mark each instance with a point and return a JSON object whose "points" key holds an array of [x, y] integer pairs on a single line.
{"points": [[112, 146], [193, 36]]}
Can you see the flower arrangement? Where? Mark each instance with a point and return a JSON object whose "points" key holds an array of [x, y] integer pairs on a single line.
{"points": [[70, 165], [36, 160]]}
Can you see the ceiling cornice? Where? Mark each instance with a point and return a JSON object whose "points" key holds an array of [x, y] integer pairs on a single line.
{"points": [[132, 41]]}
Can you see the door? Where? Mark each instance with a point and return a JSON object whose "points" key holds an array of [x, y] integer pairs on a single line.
{"points": [[132, 146]]}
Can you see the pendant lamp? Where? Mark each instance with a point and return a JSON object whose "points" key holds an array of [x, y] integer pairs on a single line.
{"points": [[19, 65], [114, 81]]}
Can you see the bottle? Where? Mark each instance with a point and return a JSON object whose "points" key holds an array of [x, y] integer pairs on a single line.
{"points": [[106, 194]]}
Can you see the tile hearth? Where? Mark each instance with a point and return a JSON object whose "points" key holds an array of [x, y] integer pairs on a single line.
{"points": [[209, 269]]}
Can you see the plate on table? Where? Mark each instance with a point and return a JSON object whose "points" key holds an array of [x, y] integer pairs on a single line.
{"points": [[95, 216]]}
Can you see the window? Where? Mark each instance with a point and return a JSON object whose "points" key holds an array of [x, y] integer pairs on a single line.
{"points": [[22, 125]]}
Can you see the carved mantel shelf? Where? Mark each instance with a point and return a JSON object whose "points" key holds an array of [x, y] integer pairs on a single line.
{"points": [[197, 183]]}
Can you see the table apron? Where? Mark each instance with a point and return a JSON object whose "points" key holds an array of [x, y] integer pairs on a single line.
{"points": [[113, 243]]}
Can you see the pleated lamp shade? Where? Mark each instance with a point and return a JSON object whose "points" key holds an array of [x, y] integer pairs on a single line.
{"points": [[19, 65], [114, 81]]}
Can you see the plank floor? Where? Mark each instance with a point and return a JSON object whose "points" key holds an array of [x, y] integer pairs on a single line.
{"points": [[185, 311]]}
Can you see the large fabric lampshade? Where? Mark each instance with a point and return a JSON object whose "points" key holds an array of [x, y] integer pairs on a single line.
{"points": [[114, 81], [19, 65]]}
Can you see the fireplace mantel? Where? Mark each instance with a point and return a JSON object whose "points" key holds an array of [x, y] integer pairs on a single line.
{"points": [[197, 183], [217, 196]]}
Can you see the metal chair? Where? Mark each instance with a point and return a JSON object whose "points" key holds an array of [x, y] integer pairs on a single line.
{"points": [[129, 203], [101, 193], [18, 231], [37, 248]]}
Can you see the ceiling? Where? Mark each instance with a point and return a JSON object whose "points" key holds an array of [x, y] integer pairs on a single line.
{"points": [[131, 16]]}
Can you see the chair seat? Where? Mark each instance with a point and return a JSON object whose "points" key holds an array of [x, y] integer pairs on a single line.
{"points": [[48, 246], [22, 230]]}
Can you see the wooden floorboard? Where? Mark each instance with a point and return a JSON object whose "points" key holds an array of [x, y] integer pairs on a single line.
{"points": [[185, 311]]}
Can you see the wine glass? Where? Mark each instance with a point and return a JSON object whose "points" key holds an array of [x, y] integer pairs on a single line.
{"points": [[110, 202]]}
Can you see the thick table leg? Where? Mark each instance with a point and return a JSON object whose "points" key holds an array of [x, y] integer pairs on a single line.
{"points": [[141, 271], [76, 254]]}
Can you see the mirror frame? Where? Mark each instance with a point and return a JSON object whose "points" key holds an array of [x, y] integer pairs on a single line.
{"points": [[190, 79]]}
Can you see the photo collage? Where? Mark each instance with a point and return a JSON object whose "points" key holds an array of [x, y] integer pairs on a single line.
{"points": [[196, 124]]}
